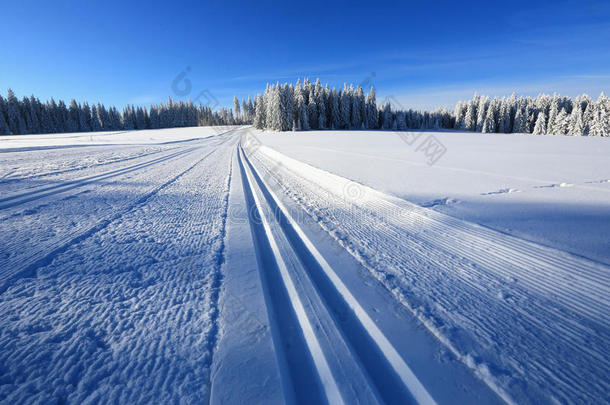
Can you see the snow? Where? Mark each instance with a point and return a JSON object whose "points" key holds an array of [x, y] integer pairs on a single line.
{"points": [[230, 265], [109, 291], [502, 305], [145, 136], [553, 190]]}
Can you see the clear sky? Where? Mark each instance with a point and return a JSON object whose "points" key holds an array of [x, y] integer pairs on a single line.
{"points": [[424, 53]]}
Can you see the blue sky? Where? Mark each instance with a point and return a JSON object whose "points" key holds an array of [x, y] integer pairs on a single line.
{"points": [[425, 54]]}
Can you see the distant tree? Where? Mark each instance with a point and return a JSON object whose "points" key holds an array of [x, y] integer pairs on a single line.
{"points": [[16, 122], [540, 127], [345, 107], [489, 125], [236, 108], [4, 128], [561, 124], [259, 113], [519, 119], [481, 112], [600, 122], [470, 119], [371, 107]]}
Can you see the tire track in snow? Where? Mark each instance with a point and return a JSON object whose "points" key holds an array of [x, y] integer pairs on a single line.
{"points": [[392, 379]]}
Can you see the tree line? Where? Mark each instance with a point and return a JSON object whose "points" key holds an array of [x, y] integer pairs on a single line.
{"points": [[545, 114], [30, 116], [307, 105]]}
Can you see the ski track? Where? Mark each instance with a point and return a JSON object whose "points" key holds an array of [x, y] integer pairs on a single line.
{"points": [[126, 311], [368, 353], [61, 167], [529, 320], [67, 217]]}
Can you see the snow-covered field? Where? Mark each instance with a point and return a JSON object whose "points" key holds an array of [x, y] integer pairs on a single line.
{"points": [[553, 190], [240, 266]]}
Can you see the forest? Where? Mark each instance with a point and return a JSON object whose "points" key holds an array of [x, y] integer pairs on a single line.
{"points": [[312, 106]]}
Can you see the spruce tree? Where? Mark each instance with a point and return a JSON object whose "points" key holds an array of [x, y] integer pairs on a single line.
{"points": [[540, 127], [236, 108], [4, 129], [576, 125], [470, 120], [95, 121], [15, 120], [372, 113], [335, 111]]}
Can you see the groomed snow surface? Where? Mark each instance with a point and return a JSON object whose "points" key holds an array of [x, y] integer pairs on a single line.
{"points": [[230, 265]]}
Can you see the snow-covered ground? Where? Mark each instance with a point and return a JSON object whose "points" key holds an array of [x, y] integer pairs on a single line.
{"points": [[553, 190], [145, 136], [235, 266]]}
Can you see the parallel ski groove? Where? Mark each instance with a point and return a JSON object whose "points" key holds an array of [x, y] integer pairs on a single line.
{"points": [[329, 384], [555, 290], [22, 198], [304, 247], [30, 265], [75, 169]]}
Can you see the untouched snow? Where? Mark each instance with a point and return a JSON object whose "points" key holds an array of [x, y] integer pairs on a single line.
{"points": [[553, 190], [198, 265]]}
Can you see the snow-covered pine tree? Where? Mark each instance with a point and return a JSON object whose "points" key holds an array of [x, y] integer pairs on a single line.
{"points": [[26, 113], [357, 107], [61, 117], [312, 113], [372, 112], [127, 122], [300, 110], [519, 118], [561, 124], [16, 122], [470, 119], [388, 119], [540, 127], [268, 106], [84, 117], [72, 122], [4, 129], [287, 107], [600, 122], [95, 121], [276, 114], [321, 104], [345, 107], [553, 112], [482, 112], [400, 122], [460, 115], [335, 111], [489, 124], [250, 110], [236, 109], [503, 118], [576, 126]]}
